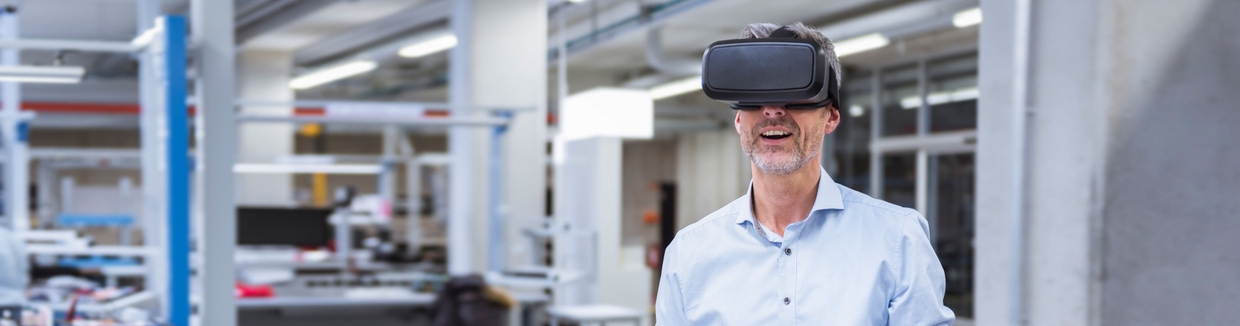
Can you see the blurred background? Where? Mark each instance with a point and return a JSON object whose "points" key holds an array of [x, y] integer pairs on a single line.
{"points": [[323, 162]]}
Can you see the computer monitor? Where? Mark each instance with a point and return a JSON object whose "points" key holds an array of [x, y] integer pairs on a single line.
{"points": [[306, 227]]}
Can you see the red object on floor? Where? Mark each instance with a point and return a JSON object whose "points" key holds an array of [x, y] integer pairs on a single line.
{"points": [[254, 291]]}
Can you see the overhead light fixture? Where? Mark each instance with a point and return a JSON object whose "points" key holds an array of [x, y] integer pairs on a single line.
{"points": [[429, 46], [576, 1], [307, 168], [676, 88], [42, 74], [860, 44], [967, 18], [331, 74]]}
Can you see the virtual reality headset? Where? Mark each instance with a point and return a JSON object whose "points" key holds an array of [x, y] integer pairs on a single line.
{"points": [[777, 70]]}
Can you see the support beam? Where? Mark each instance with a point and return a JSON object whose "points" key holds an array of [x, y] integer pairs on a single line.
{"points": [[461, 146], [176, 164], [14, 129], [213, 39]]}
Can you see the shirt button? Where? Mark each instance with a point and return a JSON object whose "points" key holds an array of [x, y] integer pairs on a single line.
{"points": [[787, 301], [788, 251]]}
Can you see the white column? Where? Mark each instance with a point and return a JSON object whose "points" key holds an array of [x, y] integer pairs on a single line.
{"points": [[510, 45], [264, 76], [213, 39], [503, 43], [462, 147], [16, 168], [154, 221]]}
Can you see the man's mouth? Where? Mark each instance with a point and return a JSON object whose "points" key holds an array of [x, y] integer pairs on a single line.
{"points": [[776, 134]]}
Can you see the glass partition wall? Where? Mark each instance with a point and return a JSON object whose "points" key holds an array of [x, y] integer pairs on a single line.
{"points": [[907, 136]]}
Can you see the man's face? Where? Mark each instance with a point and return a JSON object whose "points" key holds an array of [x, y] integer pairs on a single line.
{"points": [[780, 141]]}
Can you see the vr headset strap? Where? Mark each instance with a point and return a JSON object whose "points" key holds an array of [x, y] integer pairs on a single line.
{"points": [[833, 88]]}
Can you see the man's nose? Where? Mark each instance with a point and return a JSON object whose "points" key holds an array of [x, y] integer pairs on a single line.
{"points": [[773, 111]]}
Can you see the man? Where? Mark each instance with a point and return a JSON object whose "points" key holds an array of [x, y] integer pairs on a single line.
{"points": [[798, 249]]}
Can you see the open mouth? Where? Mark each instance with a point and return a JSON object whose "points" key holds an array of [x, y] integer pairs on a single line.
{"points": [[776, 134]]}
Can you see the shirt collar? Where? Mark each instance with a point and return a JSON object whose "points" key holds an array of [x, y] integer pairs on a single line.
{"points": [[828, 197]]}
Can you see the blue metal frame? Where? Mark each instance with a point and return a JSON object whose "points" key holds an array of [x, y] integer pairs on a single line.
{"points": [[495, 250], [177, 151]]}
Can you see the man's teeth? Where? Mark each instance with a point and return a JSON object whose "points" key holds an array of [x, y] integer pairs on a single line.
{"points": [[775, 133]]}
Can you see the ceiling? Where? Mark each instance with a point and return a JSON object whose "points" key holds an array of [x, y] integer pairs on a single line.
{"points": [[318, 32]]}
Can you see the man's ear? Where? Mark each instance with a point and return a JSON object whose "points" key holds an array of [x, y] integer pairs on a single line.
{"points": [[737, 123], [833, 119]]}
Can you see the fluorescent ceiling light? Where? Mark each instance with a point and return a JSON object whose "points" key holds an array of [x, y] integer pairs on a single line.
{"points": [[576, 1], [426, 47], [967, 18], [42, 74], [307, 168], [860, 44], [676, 88], [327, 75], [936, 98]]}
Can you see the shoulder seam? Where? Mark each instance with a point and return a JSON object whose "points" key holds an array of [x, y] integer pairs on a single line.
{"points": [[705, 221]]}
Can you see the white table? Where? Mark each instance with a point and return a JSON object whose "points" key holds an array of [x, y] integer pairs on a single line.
{"points": [[594, 314]]}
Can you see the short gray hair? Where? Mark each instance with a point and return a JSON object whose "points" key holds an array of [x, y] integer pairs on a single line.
{"points": [[761, 30]]}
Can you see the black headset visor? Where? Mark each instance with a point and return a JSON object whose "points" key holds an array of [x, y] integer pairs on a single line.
{"points": [[750, 73]]}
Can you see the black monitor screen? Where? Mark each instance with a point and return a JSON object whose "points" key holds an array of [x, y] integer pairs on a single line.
{"points": [[283, 226]]}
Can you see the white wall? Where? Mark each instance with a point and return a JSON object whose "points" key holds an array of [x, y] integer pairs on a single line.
{"points": [[711, 171]]}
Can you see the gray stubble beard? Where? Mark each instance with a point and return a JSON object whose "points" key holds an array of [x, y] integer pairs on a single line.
{"points": [[796, 159]]}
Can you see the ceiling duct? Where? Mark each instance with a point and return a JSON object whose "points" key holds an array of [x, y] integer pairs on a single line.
{"points": [[666, 64]]}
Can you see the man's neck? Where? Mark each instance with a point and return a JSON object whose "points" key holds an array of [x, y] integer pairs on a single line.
{"points": [[780, 200]]}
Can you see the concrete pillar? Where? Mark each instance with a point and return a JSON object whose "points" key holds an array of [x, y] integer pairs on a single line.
{"points": [[264, 75], [1129, 182], [500, 61]]}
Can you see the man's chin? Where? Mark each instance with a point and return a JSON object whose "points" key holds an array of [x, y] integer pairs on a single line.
{"points": [[777, 164]]}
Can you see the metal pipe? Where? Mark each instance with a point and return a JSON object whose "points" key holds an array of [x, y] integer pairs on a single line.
{"points": [[1020, 58], [75, 45], [375, 104], [657, 60], [921, 193], [876, 133], [453, 121], [495, 253]]}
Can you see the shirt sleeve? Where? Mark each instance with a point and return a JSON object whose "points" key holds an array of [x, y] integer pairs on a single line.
{"points": [[918, 297], [669, 302]]}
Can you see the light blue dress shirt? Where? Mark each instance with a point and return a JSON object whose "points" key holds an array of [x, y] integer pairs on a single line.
{"points": [[855, 260]]}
